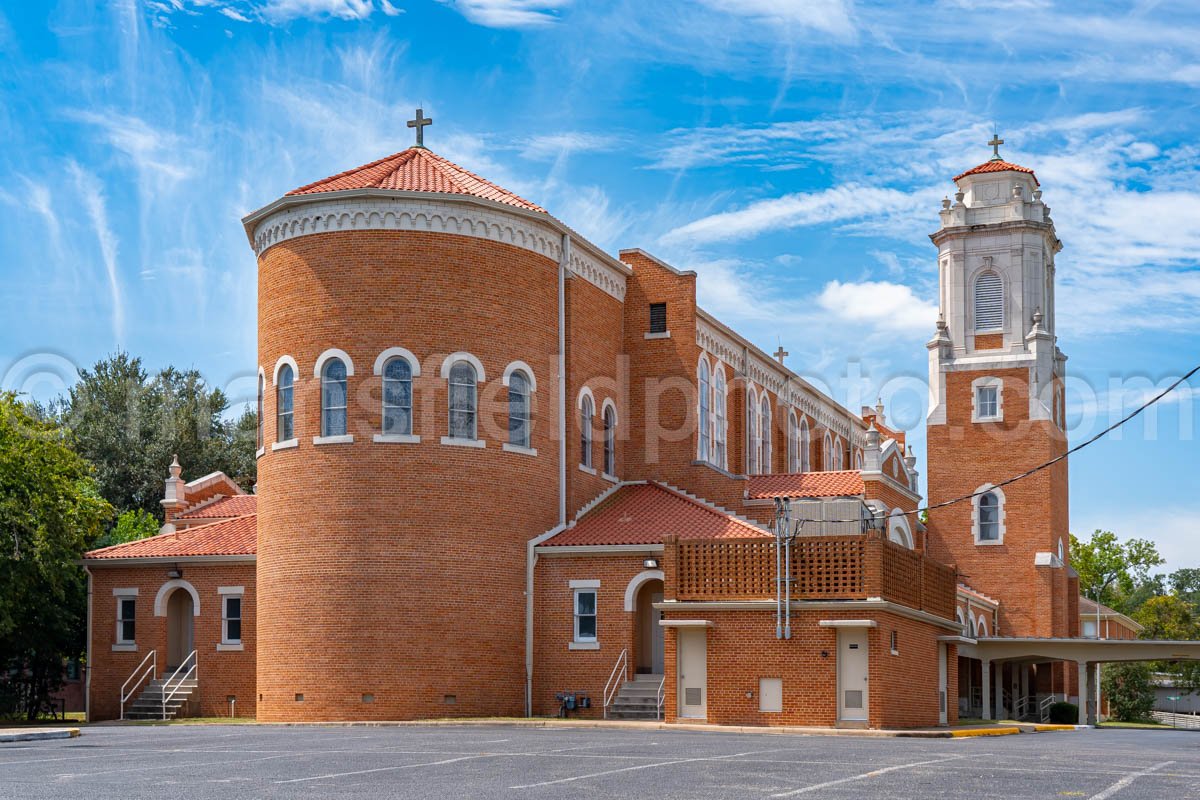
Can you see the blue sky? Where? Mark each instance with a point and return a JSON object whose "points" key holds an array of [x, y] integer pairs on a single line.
{"points": [[794, 154]]}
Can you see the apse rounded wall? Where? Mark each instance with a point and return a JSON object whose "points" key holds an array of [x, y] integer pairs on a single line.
{"points": [[391, 566]]}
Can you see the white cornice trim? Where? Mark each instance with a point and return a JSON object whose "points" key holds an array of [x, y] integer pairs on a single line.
{"points": [[804, 605], [294, 216]]}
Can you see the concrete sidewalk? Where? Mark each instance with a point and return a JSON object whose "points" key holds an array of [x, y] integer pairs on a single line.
{"points": [[36, 734]]}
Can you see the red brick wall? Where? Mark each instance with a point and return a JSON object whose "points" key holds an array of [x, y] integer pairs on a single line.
{"points": [[397, 570], [557, 668], [220, 673], [962, 457]]}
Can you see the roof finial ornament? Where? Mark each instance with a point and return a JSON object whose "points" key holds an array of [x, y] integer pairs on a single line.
{"points": [[995, 145], [419, 123]]}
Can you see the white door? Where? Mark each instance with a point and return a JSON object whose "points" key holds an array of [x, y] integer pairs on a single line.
{"points": [[692, 669], [656, 636], [942, 683], [853, 666]]}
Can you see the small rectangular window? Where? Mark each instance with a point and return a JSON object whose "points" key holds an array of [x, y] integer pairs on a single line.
{"points": [[231, 620], [987, 405], [126, 619], [658, 317], [895, 643], [585, 615]]}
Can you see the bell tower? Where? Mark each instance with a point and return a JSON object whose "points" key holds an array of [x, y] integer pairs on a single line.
{"points": [[996, 400]]}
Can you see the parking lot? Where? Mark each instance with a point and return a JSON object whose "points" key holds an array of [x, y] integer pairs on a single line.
{"points": [[445, 763]]}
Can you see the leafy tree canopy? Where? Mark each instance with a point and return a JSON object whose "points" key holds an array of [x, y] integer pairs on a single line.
{"points": [[1119, 571]]}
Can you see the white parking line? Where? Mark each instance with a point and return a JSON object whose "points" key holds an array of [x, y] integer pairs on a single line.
{"points": [[1128, 779], [637, 767], [384, 769], [874, 773]]}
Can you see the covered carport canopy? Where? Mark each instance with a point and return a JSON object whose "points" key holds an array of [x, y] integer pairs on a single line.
{"points": [[1082, 651]]}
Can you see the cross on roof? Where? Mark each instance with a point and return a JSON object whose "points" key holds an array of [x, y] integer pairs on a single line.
{"points": [[419, 123], [781, 354], [995, 145]]}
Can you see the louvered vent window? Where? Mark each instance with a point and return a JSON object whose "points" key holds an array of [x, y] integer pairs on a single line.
{"points": [[989, 302], [658, 317]]}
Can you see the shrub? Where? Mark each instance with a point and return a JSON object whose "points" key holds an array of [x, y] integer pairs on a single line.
{"points": [[1064, 714], [1127, 687]]}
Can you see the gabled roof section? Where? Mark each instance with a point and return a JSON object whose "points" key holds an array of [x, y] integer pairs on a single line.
{"points": [[837, 483], [417, 170], [232, 537], [222, 508], [643, 513], [997, 166], [1087, 608]]}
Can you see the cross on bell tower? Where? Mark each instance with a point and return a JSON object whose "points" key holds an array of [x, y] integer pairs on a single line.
{"points": [[994, 144], [419, 123], [781, 354]]}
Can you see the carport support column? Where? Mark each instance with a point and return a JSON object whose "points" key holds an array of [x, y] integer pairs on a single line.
{"points": [[1086, 717], [986, 672], [999, 691]]}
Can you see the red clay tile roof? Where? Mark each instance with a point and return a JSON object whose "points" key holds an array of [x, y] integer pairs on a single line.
{"points": [[840, 483], [997, 166], [236, 506], [417, 170], [643, 513], [231, 537]]}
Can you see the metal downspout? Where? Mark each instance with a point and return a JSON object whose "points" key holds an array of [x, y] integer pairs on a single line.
{"points": [[87, 680]]}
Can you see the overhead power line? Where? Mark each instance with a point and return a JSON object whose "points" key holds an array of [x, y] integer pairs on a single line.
{"points": [[1039, 467]]}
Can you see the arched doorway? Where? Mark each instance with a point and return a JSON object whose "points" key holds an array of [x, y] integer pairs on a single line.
{"points": [[180, 627], [649, 650]]}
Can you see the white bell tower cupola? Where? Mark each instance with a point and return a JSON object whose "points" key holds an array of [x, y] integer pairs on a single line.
{"points": [[996, 248]]}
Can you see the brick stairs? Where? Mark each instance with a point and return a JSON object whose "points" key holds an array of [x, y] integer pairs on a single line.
{"points": [[149, 704], [637, 699]]}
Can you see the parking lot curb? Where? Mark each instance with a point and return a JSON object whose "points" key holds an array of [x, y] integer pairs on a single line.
{"points": [[999, 730], [17, 735]]}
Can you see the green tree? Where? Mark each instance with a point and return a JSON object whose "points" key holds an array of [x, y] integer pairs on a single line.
{"points": [[50, 513], [1167, 617], [1129, 692], [1185, 583], [130, 424], [1119, 571], [131, 526]]}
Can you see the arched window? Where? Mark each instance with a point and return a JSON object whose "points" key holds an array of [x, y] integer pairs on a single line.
{"points": [[805, 446], [764, 436], [518, 409], [989, 517], [333, 398], [839, 454], [827, 453], [610, 439], [397, 397], [958, 615], [262, 387], [858, 459], [898, 530], [703, 421], [754, 433], [989, 302], [586, 411], [719, 417], [464, 388], [793, 443], [285, 387], [981, 628]]}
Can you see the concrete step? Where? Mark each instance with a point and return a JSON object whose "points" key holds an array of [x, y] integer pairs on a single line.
{"points": [[629, 690], [638, 715]]}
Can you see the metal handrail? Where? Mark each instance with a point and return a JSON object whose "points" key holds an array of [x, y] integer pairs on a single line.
{"points": [[1044, 706], [662, 694], [613, 686], [194, 669], [140, 674]]}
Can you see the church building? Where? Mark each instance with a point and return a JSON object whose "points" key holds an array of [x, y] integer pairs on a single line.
{"points": [[502, 472]]}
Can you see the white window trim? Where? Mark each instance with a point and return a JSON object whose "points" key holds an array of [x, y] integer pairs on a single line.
{"points": [[462, 355], [704, 411], [588, 643], [396, 438], [520, 366], [607, 404], [332, 353], [341, 438], [231, 645], [754, 428], [587, 466], [720, 425], [981, 628], [986, 268], [124, 645], [453, 442], [587, 469], [508, 447], [291, 362], [898, 526], [986, 382], [793, 442], [285, 445], [827, 452], [381, 360], [659, 335], [804, 442], [987, 487]]}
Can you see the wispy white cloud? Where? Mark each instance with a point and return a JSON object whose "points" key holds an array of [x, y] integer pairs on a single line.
{"points": [[284, 10], [152, 150], [234, 14], [827, 16], [510, 13], [91, 192], [551, 146], [878, 305]]}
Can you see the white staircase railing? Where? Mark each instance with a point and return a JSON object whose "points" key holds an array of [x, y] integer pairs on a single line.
{"points": [[662, 694], [193, 670], [1044, 707], [615, 679], [137, 676]]}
